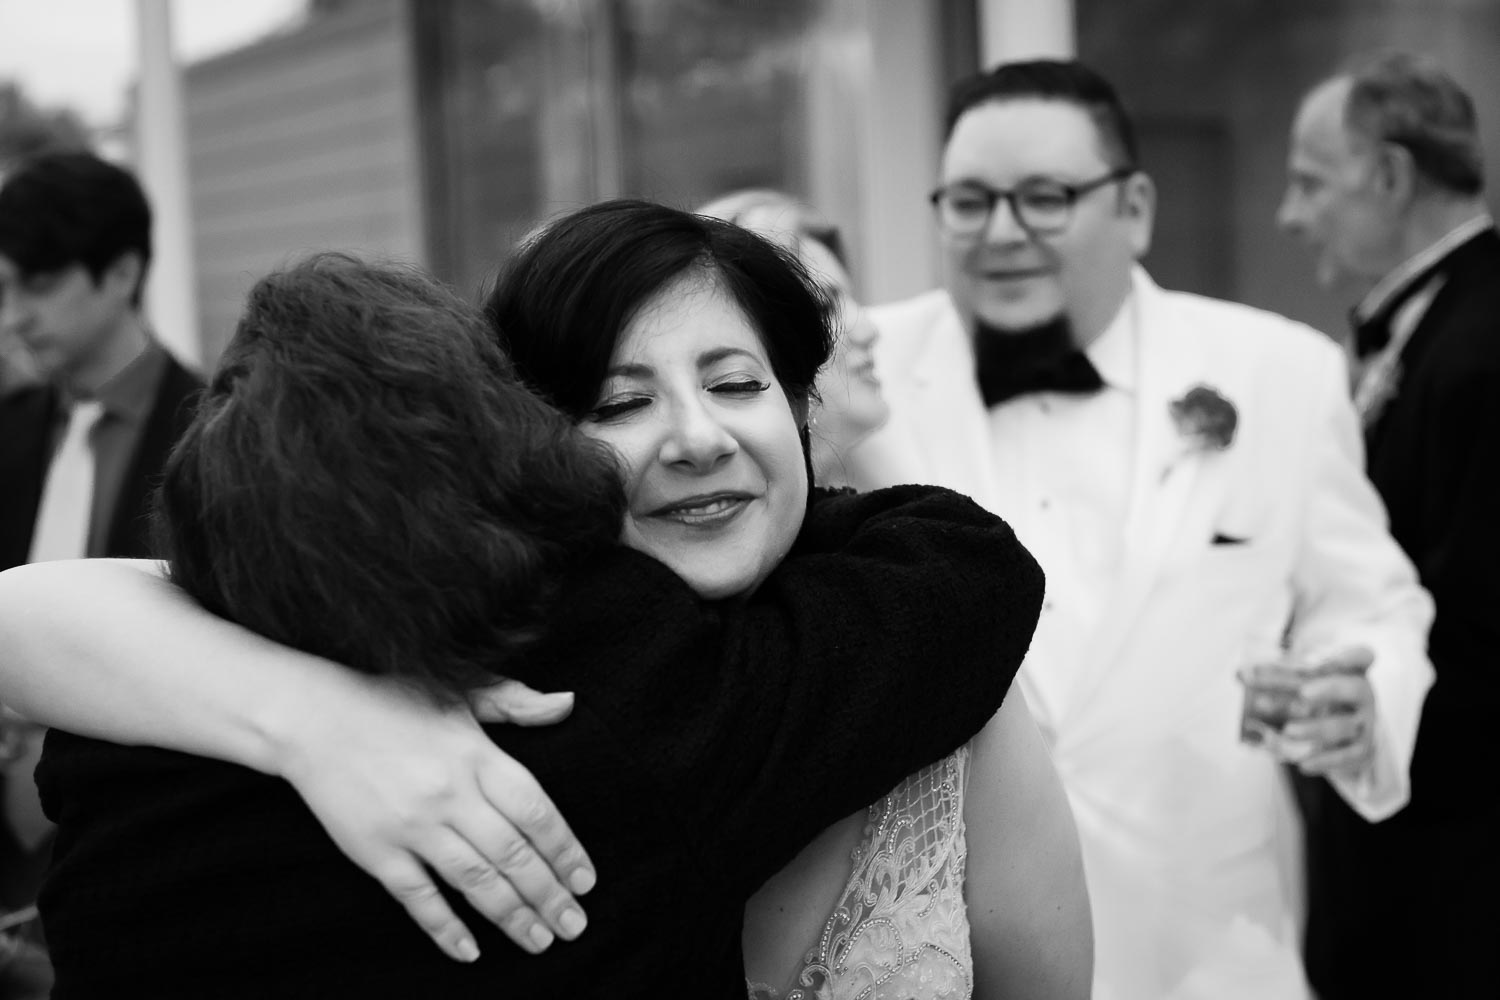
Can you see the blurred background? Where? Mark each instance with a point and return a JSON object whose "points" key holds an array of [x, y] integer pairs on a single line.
{"points": [[440, 131]]}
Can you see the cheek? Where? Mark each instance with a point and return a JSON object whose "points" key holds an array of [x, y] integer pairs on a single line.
{"points": [[632, 453]]}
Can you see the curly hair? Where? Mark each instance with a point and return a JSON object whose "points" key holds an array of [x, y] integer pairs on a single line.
{"points": [[367, 480]]}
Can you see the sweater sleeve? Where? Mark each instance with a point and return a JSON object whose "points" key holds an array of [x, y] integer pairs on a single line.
{"points": [[885, 640]]}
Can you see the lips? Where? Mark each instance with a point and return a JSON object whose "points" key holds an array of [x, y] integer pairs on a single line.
{"points": [[704, 509], [1014, 274]]}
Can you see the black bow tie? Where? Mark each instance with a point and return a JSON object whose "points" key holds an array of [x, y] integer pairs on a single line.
{"points": [[1373, 334], [1043, 360]]}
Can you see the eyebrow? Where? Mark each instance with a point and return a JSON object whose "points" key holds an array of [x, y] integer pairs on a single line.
{"points": [[705, 360]]}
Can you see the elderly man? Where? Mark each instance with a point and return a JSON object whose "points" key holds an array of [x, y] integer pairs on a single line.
{"points": [[1385, 184], [1188, 472]]}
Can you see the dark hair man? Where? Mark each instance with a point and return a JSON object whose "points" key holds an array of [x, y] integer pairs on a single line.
{"points": [[1385, 182], [78, 454], [1187, 471]]}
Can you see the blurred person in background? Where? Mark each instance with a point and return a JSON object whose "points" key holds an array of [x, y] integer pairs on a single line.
{"points": [[17, 369], [80, 451], [1385, 184], [1188, 473], [849, 404]]}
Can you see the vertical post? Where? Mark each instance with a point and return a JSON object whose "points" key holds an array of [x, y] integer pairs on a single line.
{"points": [[1026, 29], [161, 158], [899, 156]]}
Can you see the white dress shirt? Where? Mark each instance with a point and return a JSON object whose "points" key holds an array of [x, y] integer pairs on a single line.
{"points": [[1070, 512]]}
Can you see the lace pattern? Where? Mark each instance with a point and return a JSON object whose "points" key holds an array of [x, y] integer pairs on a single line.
{"points": [[900, 928]]}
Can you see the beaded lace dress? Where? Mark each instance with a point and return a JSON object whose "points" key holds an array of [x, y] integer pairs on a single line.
{"points": [[899, 929]]}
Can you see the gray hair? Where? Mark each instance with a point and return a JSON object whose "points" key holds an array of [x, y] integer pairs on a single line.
{"points": [[1408, 100]]}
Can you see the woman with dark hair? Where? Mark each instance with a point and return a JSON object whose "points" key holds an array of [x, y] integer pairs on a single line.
{"points": [[850, 405], [699, 390]]}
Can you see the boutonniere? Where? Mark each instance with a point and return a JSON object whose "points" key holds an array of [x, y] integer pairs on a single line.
{"points": [[1205, 420]]}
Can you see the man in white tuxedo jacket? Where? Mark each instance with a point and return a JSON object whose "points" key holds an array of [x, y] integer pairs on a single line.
{"points": [[1189, 473]]}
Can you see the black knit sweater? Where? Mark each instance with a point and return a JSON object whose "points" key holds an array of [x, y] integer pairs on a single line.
{"points": [[710, 742]]}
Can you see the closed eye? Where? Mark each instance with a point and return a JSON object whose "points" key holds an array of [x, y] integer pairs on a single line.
{"points": [[740, 387], [612, 409]]}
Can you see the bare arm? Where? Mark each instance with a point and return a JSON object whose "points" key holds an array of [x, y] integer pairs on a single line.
{"points": [[112, 650], [1028, 906]]}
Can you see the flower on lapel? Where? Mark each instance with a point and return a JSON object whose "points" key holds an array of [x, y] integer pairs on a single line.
{"points": [[1205, 419]]}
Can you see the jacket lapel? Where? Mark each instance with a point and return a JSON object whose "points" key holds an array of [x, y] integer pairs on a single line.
{"points": [[948, 418], [1175, 491]]}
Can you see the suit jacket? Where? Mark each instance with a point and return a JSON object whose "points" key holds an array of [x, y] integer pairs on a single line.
{"points": [[1434, 455], [1185, 831], [27, 419]]}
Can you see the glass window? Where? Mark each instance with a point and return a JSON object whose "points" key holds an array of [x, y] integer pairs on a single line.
{"points": [[533, 107]]}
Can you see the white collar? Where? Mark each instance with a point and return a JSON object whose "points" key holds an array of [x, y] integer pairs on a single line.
{"points": [[1386, 288]]}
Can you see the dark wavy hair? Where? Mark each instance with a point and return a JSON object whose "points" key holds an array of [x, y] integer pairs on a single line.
{"points": [[561, 302], [367, 480], [61, 209], [1066, 80]]}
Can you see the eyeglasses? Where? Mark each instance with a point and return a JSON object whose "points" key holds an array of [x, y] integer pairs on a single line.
{"points": [[1040, 206]]}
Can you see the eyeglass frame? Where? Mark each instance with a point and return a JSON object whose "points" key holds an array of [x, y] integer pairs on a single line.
{"points": [[994, 196]]}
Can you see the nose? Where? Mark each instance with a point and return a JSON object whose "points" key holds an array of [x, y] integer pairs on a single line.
{"points": [[697, 440], [1003, 225], [12, 312], [862, 332], [1289, 213]]}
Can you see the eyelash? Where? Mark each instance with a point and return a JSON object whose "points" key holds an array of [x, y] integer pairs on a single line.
{"points": [[619, 407]]}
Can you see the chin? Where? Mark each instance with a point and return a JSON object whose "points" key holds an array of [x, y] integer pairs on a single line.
{"points": [[1017, 321]]}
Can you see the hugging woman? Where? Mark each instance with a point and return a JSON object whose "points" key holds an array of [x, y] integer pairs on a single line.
{"points": [[736, 693]]}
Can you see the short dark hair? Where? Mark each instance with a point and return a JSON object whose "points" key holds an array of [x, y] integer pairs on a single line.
{"points": [[1408, 100], [1066, 80], [367, 480], [561, 303], [62, 209]]}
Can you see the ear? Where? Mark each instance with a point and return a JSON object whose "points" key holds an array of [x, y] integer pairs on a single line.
{"points": [[124, 273], [1395, 174], [1138, 206]]}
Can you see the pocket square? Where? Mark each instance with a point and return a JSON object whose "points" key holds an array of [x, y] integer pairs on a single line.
{"points": [[1223, 539]]}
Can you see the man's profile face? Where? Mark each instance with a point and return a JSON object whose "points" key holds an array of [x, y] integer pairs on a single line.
{"points": [[63, 317], [1011, 278], [1331, 200]]}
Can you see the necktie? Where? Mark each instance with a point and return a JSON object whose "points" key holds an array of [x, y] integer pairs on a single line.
{"points": [[1007, 365], [62, 524]]}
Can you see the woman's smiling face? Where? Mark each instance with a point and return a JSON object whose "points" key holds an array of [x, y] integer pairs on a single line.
{"points": [[714, 468]]}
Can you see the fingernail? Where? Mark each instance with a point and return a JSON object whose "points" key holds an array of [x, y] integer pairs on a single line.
{"points": [[467, 950], [541, 937], [582, 880], [572, 922]]}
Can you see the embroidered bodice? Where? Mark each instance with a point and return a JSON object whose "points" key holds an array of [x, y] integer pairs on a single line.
{"points": [[899, 929]]}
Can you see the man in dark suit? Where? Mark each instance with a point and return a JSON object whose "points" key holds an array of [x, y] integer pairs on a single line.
{"points": [[1386, 185], [79, 453]]}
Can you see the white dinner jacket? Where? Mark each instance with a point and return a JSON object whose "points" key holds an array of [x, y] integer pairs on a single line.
{"points": [[1182, 826]]}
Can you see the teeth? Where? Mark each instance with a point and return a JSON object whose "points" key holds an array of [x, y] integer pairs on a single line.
{"points": [[714, 507]]}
